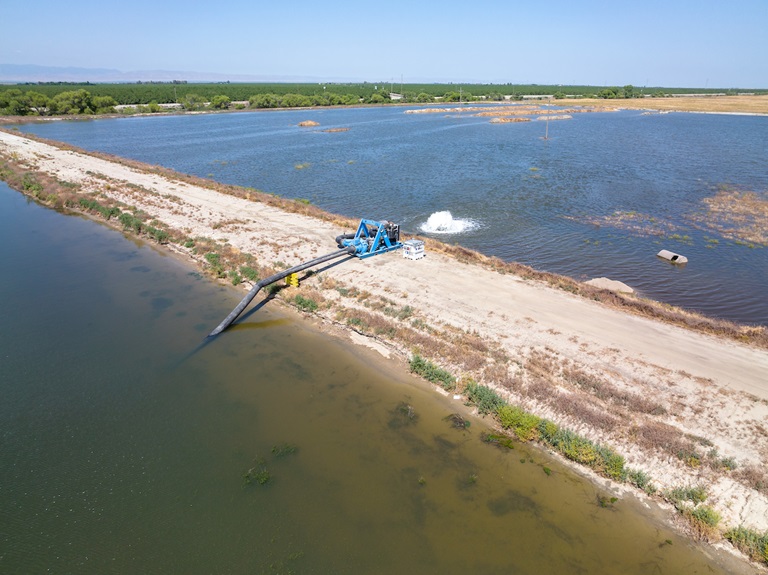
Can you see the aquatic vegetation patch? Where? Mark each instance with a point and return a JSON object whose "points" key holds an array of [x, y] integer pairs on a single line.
{"points": [[637, 223], [606, 502], [467, 481], [457, 421], [500, 441], [283, 449], [513, 502], [738, 215], [403, 415], [258, 474]]}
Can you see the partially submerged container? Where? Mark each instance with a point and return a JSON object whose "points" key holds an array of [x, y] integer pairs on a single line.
{"points": [[672, 257], [413, 249]]}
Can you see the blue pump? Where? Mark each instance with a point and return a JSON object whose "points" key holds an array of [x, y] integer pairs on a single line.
{"points": [[372, 238]]}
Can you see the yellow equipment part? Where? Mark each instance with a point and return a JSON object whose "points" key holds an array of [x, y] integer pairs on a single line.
{"points": [[292, 280]]}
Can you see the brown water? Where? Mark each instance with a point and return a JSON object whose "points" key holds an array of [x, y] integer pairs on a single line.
{"points": [[124, 441]]}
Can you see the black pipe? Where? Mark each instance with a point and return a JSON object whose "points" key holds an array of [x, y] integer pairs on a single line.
{"points": [[349, 236], [272, 279]]}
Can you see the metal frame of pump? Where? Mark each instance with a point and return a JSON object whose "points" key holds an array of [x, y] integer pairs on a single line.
{"points": [[372, 238]]}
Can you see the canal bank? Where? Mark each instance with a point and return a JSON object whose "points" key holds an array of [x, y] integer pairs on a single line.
{"points": [[540, 340]]}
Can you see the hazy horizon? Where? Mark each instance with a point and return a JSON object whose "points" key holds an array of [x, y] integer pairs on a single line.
{"points": [[682, 44]]}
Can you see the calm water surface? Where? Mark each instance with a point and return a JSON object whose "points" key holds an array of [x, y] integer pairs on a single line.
{"points": [[124, 442], [542, 203]]}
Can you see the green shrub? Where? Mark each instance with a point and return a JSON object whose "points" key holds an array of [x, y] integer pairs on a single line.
{"points": [[524, 424], [695, 495], [305, 303], [249, 273], [706, 515], [750, 542], [160, 235], [217, 268], [431, 372], [30, 184], [548, 430], [130, 221], [576, 448], [484, 398], [641, 480], [611, 463]]}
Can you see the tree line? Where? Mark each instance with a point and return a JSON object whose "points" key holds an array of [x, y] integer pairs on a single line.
{"points": [[45, 99], [16, 102]]}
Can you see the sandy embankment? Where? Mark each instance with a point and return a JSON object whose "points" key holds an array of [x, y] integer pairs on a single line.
{"points": [[744, 104], [708, 387]]}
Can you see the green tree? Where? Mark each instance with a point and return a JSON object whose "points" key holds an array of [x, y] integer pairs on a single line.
{"points": [[220, 102], [423, 97], [264, 101], [452, 97], [38, 103], [192, 102], [72, 102], [295, 101], [103, 104], [629, 91], [14, 102]]}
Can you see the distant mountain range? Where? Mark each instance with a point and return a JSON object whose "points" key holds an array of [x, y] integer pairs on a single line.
{"points": [[21, 73]]}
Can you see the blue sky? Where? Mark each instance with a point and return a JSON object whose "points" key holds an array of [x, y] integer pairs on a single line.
{"points": [[677, 43]]}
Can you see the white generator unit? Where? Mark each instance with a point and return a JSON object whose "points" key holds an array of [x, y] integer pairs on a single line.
{"points": [[413, 249]]}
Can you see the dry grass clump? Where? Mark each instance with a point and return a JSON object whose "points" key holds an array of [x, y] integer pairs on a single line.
{"points": [[610, 393], [754, 477], [662, 437], [458, 350], [509, 120], [543, 364], [580, 409], [539, 389], [498, 375]]}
